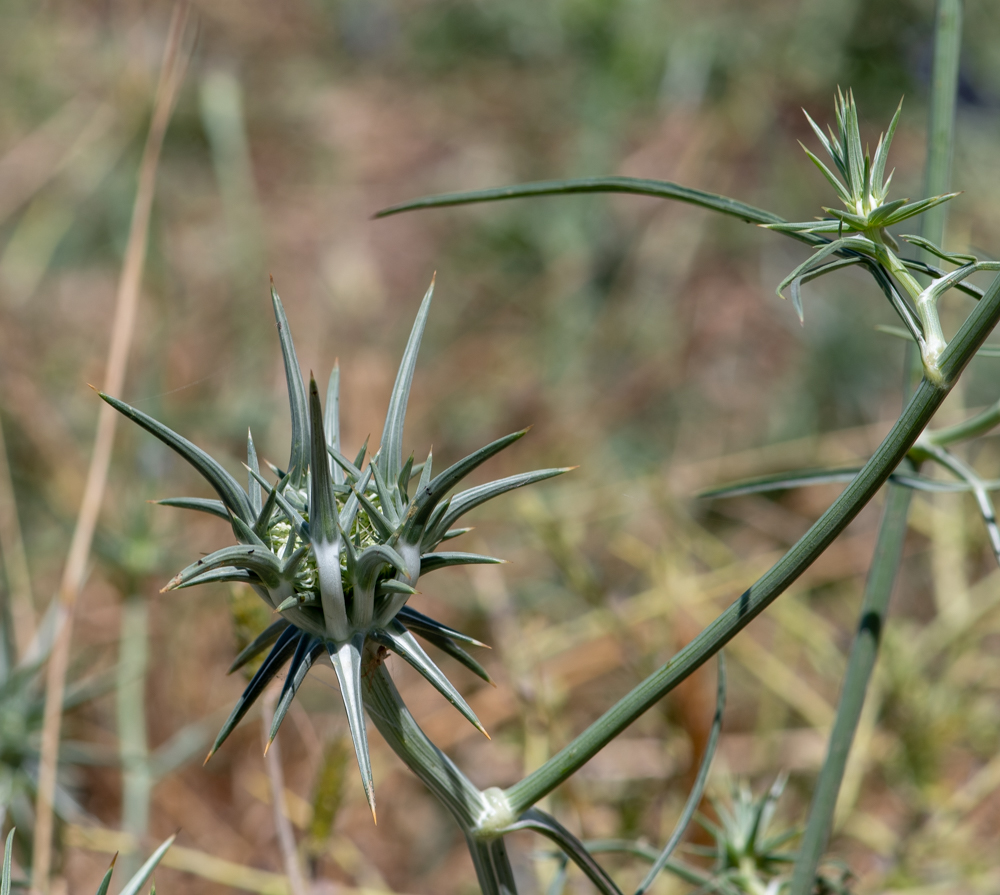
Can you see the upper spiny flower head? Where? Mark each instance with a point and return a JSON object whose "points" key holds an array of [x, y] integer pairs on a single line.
{"points": [[335, 546]]}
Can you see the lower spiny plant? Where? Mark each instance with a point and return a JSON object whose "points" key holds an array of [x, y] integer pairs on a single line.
{"points": [[335, 546]]}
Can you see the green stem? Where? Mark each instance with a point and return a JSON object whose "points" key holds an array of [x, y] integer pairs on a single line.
{"points": [[941, 128], [881, 577], [918, 412], [438, 772], [137, 778], [973, 427]]}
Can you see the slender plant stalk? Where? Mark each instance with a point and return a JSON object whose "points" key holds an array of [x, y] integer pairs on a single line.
{"points": [[283, 826], [892, 531], [941, 127], [175, 59], [133, 745], [918, 412], [881, 577]]}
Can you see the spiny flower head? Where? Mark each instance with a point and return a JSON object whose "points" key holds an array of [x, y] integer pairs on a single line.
{"points": [[335, 546], [865, 188]]}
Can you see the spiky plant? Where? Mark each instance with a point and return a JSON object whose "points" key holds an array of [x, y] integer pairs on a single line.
{"points": [[749, 856], [861, 230], [335, 546]]}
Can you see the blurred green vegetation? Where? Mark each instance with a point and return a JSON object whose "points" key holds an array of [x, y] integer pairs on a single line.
{"points": [[643, 341]]}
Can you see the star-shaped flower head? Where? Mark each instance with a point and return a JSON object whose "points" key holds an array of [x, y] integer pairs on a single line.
{"points": [[865, 188], [336, 546]]}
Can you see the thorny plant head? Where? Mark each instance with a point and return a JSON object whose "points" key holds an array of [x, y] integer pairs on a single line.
{"points": [[748, 856], [335, 546], [861, 233]]}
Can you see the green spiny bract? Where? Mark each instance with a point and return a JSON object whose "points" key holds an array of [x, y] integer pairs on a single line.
{"points": [[336, 546], [861, 233], [749, 857]]}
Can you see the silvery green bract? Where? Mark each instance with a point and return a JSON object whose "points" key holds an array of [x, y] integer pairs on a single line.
{"points": [[861, 233], [335, 546]]}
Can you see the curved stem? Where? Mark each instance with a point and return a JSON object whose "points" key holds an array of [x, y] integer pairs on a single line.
{"points": [[438, 772], [542, 822], [918, 412], [698, 790], [973, 427]]}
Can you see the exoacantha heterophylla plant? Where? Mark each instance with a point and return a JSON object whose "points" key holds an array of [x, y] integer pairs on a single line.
{"points": [[861, 230], [335, 546]]}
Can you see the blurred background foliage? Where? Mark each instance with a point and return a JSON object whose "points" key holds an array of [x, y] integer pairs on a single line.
{"points": [[642, 340]]}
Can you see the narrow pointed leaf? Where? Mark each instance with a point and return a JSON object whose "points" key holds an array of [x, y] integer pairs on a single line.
{"points": [[133, 886], [233, 496], [379, 521], [324, 528], [405, 475], [344, 464], [428, 496], [395, 586], [200, 504], [245, 534], [373, 558], [882, 152], [260, 643], [8, 854], [884, 212], [263, 563], [447, 645], [102, 889], [331, 418], [392, 432], [471, 498], [346, 659], [385, 498], [420, 623], [455, 533], [661, 189], [308, 650], [825, 141], [263, 522], [253, 486], [226, 575], [283, 649], [294, 516], [915, 208], [928, 246], [402, 642], [431, 562], [829, 175], [360, 458], [298, 459]]}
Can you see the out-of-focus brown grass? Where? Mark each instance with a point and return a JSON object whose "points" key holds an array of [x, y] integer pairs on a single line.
{"points": [[642, 340]]}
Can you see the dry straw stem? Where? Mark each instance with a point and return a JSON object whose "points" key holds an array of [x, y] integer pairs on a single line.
{"points": [[197, 863], [282, 825], [175, 57]]}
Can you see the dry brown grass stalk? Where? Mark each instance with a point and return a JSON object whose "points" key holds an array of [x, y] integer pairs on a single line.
{"points": [[283, 827], [175, 58]]}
